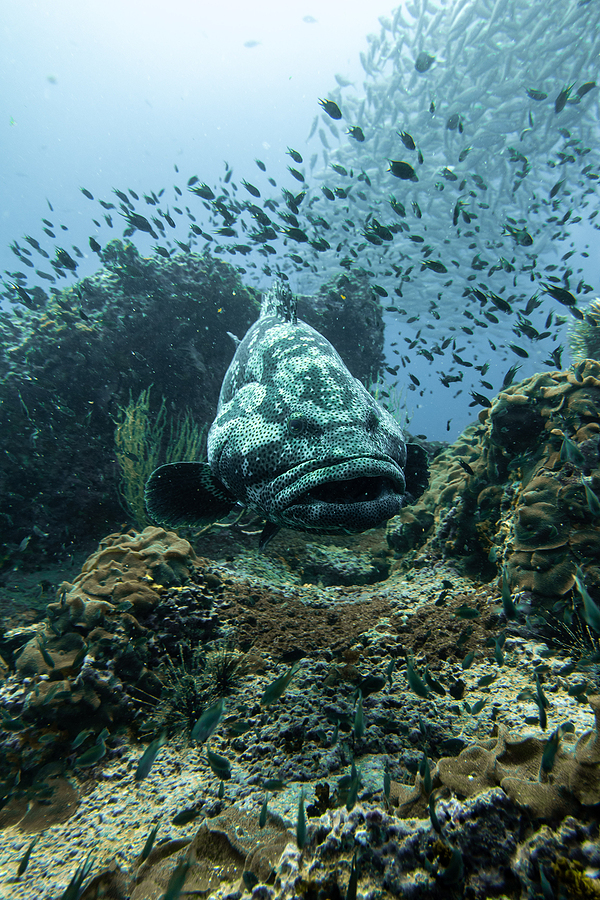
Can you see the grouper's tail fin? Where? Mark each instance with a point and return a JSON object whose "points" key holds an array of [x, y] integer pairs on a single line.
{"points": [[280, 302]]}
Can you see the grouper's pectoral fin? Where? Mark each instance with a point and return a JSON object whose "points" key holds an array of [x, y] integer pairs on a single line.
{"points": [[187, 493], [416, 472]]}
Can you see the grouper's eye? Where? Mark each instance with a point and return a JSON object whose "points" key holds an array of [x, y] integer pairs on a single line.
{"points": [[297, 425]]}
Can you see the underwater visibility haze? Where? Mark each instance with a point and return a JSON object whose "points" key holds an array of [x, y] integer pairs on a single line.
{"points": [[300, 450]]}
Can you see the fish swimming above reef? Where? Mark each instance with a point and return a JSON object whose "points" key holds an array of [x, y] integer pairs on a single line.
{"points": [[296, 438]]}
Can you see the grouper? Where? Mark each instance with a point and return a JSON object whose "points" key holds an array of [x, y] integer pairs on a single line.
{"points": [[296, 438]]}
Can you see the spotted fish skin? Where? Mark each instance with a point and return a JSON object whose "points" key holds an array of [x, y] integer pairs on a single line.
{"points": [[296, 438]]}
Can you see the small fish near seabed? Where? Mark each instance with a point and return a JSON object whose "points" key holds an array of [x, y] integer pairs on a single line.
{"points": [[296, 438]]}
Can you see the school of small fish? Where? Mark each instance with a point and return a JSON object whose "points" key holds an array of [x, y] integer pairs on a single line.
{"points": [[453, 175]]}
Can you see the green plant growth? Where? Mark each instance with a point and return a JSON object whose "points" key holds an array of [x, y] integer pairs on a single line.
{"points": [[141, 446]]}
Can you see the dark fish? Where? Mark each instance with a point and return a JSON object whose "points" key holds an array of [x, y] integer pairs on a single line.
{"points": [[520, 235], [202, 190], [509, 377], [301, 827], [260, 165], [208, 722], [448, 174], [560, 102], [464, 611], [556, 188], [140, 223], [570, 452], [297, 175], [424, 62], [591, 611], [148, 757], [24, 861], [591, 500], [64, 261], [327, 192], [480, 399], [95, 246], [499, 303], [465, 465], [339, 169], [123, 197], [535, 95], [179, 874], [407, 140], [331, 108], [435, 265], [220, 765], [105, 205], [398, 207], [585, 88], [555, 357], [251, 188], [560, 294], [519, 351], [294, 154], [356, 133], [415, 682], [296, 234], [276, 689], [92, 756], [86, 193], [402, 170], [452, 123]]}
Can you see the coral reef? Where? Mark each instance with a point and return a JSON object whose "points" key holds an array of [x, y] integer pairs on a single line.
{"points": [[547, 790], [520, 488]]}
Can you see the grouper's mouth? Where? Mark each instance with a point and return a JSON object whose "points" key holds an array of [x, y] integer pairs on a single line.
{"points": [[352, 495]]}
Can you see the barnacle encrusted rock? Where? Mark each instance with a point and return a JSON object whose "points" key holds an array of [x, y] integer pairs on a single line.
{"points": [[128, 567]]}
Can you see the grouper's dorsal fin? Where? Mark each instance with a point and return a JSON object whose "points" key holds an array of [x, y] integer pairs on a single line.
{"points": [[280, 302], [186, 493]]}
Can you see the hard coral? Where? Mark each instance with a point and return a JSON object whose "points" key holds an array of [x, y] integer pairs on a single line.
{"points": [[128, 567], [514, 763]]}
